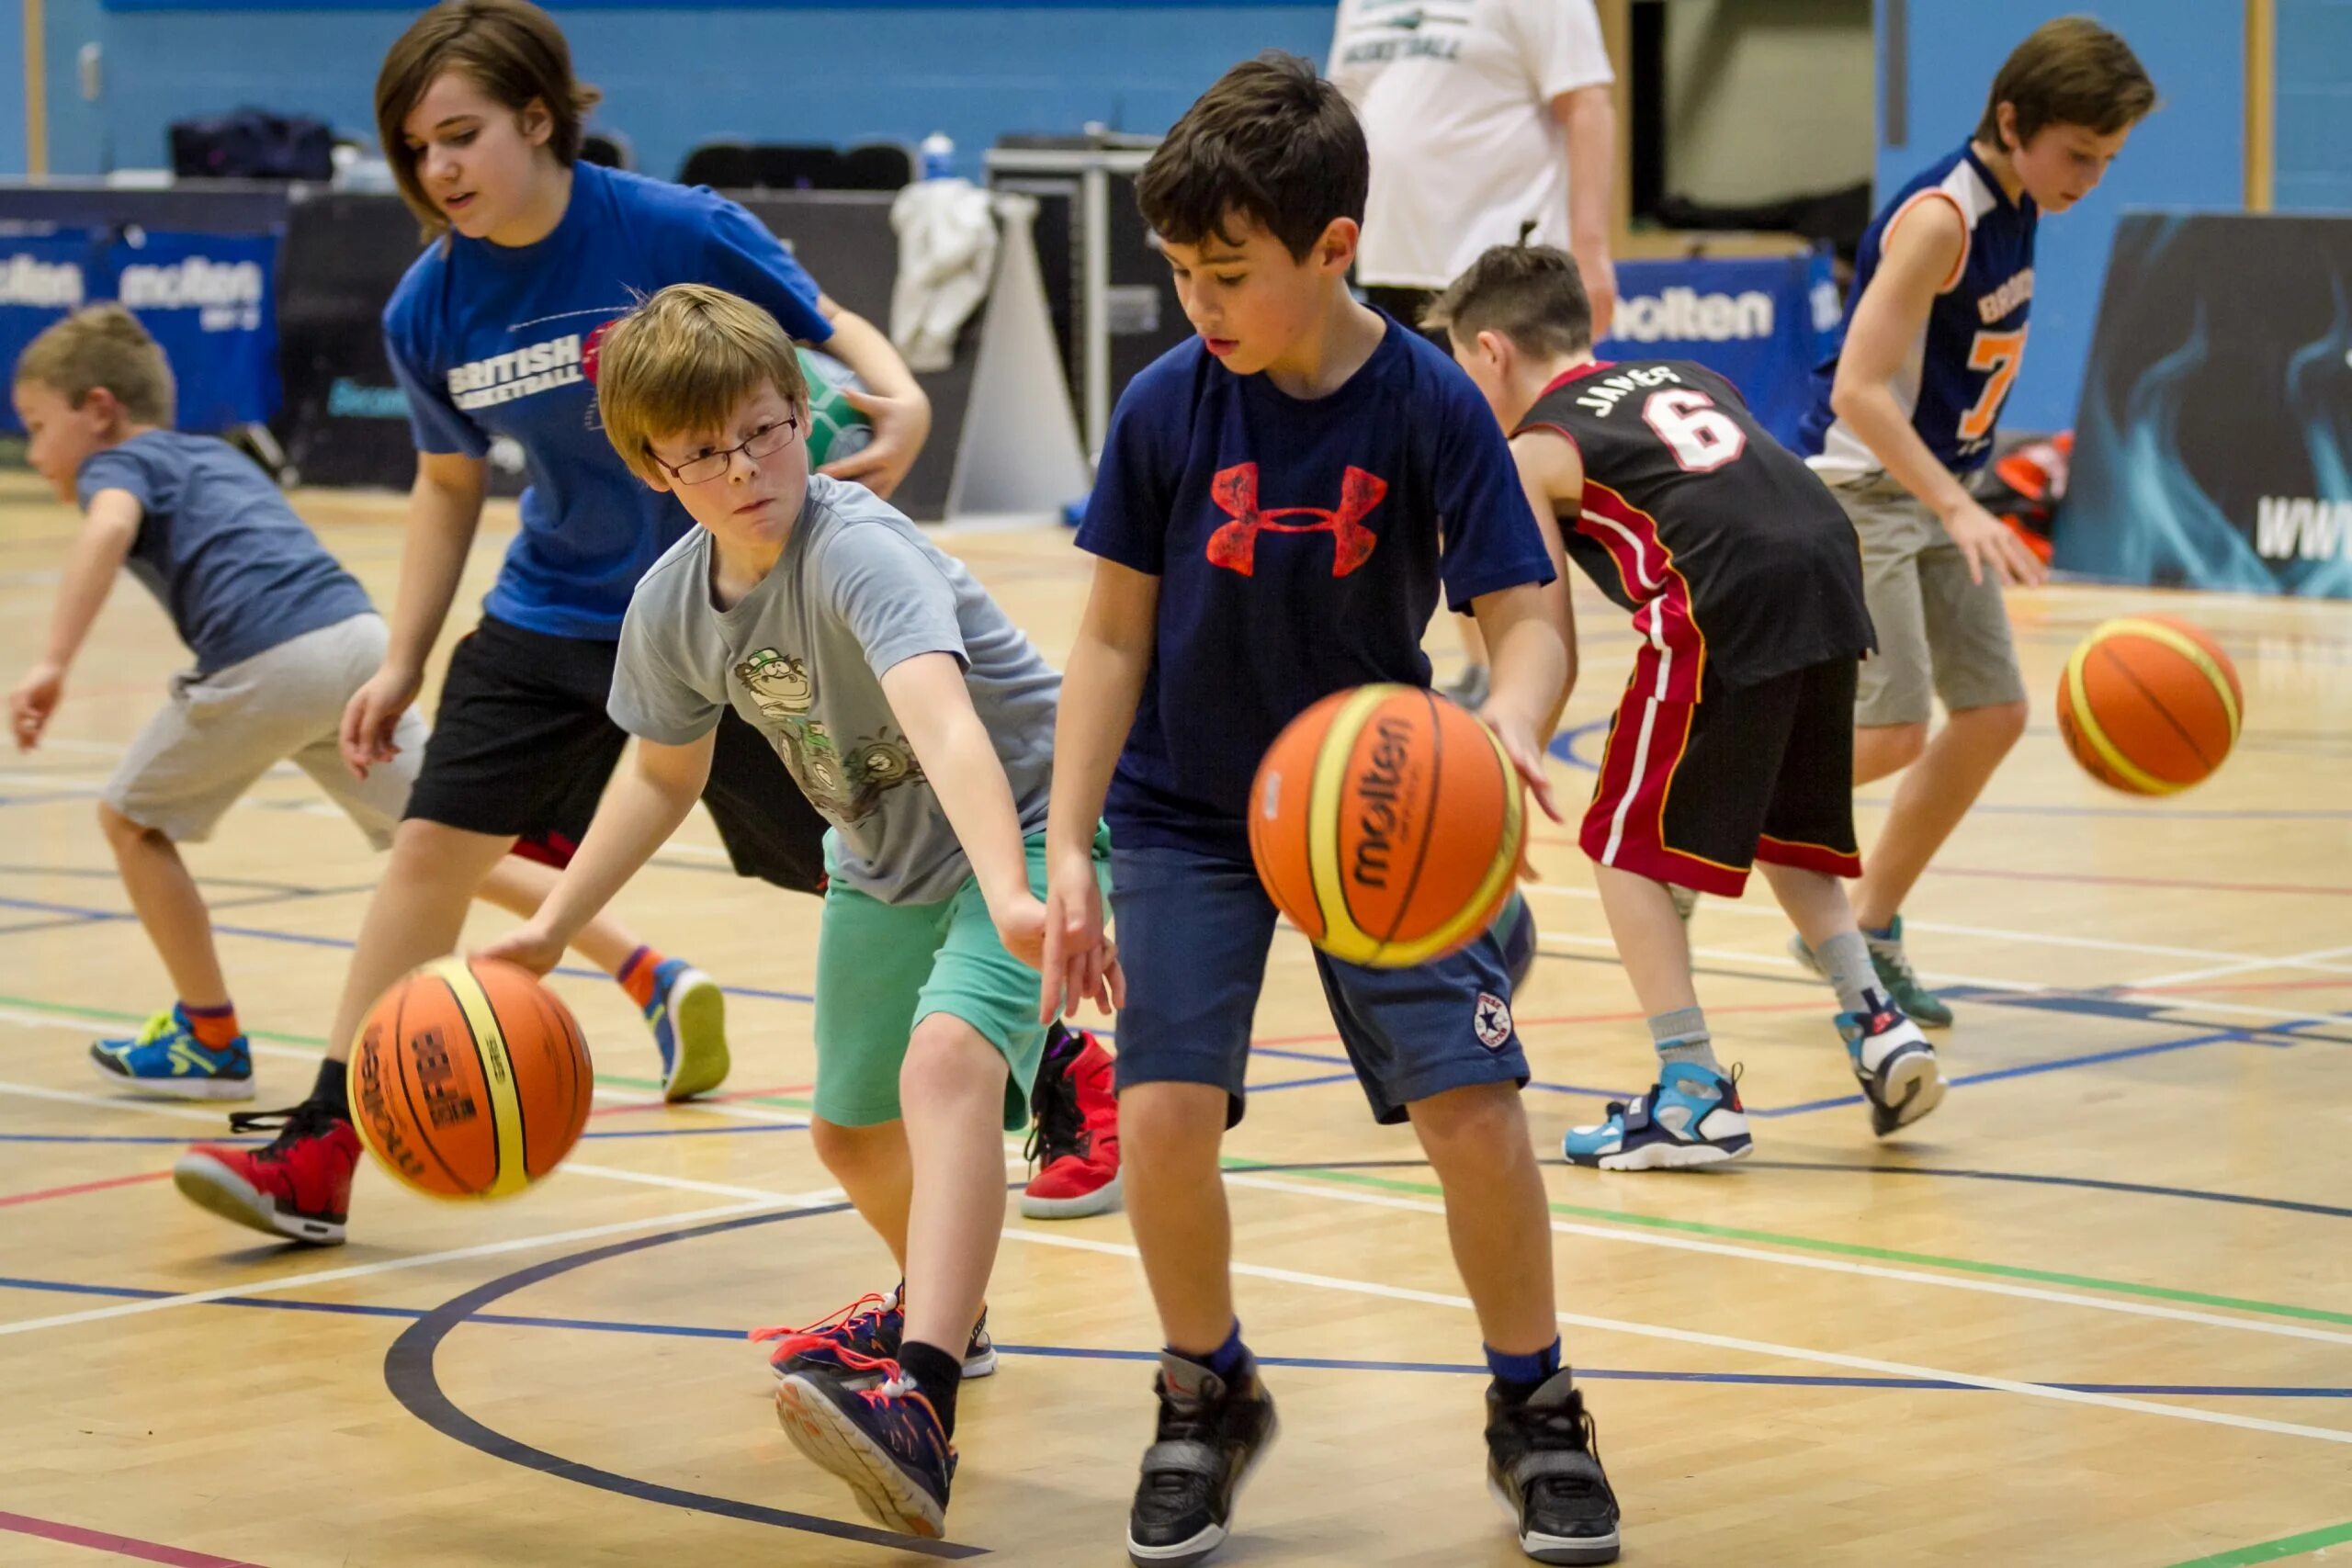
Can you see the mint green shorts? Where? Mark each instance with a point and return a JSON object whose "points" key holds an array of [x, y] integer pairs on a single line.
{"points": [[882, 968]]}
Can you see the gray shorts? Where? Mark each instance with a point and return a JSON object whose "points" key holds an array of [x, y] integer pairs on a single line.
{"points": [[1940, 634], [220, 732]]}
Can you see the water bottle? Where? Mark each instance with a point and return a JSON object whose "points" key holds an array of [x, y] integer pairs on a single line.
{"points": [[938, 157]]}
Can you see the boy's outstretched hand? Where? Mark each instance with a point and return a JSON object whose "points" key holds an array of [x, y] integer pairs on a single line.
{"points": [[1080, 963], [1519, 744], [31, 704]]}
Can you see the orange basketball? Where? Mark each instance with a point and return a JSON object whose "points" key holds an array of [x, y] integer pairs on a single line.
{"points": [[469, 1080], [1386, 823], [2149, 704]]}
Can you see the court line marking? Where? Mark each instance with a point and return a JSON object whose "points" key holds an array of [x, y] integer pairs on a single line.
{"points": [[1731, 1342], [419, 1260], [2250, 965], [119, 1545], [44, 1194], [2272, 1550], [1619, 1232]]}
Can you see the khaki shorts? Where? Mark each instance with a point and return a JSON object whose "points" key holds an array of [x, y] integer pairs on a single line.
{"points": [[1940, 634], [222, 731]]}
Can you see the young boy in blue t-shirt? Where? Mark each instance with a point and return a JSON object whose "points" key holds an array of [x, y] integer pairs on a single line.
{"points": [[282, 636], [1280, 501]]}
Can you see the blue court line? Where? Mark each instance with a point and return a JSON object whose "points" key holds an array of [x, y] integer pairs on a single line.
{"points": [[1564, 745], [1091, 1353], [182, 1142], [574, 970]]}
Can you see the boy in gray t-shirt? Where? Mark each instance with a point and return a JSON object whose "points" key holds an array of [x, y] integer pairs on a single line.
{"points": [[920, 721]]}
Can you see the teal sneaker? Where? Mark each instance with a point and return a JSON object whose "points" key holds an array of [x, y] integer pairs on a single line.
{"points": [[165, 1058], [688, 1017], [1895, 975], [1691, 1117]]}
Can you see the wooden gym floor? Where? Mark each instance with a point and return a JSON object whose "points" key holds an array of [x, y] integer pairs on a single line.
{"points": [[2098, 1310]]}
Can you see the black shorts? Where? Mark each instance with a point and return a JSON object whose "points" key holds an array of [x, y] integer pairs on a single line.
{"points": [[1407, 305], [1694, 793], [522, 746]]}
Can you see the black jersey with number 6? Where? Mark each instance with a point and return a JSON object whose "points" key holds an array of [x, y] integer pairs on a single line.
{"points": [[1737, 561]]}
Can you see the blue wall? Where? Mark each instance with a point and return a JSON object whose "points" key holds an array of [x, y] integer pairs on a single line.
{"points": [[2191, 152], [2315, 107], [12, 86], [675, 77]]}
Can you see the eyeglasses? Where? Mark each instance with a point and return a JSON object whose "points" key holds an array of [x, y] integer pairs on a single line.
{"points": [[764, 442]]}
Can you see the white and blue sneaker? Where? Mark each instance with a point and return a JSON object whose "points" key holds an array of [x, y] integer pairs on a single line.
{"points": [[1691, 1117], [1895, 1065], [165, 1058], [688, 1017]]}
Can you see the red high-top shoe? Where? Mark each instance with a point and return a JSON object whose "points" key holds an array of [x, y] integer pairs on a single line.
{"points": [[1076, 1141]]}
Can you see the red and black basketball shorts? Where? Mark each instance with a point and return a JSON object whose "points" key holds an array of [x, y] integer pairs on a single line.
{"points": [[1694, 793]]}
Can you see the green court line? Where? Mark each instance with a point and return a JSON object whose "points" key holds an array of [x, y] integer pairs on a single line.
{"points": [[318, 1042], [2272, 1550], [1852, 1249]]}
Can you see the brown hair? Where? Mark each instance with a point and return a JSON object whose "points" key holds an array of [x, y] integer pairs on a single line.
{"points": [[684, 361], [1533, 295], [2068, 72], [509, 49], [102, 346], [1272, 143]]}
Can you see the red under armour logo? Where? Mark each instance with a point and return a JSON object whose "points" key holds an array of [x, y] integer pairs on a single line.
{"points": [[1235, 545]]}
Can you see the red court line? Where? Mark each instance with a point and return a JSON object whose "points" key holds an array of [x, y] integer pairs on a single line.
{"points": [[82, 1187], [703, 1100], [120, 1545]]}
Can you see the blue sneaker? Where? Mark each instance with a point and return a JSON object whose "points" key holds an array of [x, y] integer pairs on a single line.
{"points": [[165, 1058], [886, 1441], [849, 1344], [1693, 1116], [1896, 1065], [688, 1017]]}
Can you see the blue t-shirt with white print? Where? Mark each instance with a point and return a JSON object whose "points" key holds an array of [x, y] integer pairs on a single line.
{"points": [[491, 341], [1300, 545]]}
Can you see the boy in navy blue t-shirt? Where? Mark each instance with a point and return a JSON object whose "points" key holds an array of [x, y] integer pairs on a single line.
{"points": [[1279, 505]]}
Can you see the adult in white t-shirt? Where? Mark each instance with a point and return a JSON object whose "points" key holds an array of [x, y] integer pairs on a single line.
{"points": [[1489, 122], [1488, 119]]}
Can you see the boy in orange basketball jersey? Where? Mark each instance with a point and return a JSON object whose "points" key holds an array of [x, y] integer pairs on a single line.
{"points": [[917, 719], [1733, 744], [1279, 505], [1903, 413]]}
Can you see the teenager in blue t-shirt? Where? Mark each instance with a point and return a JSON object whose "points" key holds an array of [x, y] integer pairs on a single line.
{"points": [[1280, 502], [493, 335]]}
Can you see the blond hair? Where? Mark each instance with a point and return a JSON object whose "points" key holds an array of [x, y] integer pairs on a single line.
{"points": [[683, 362], [102, 346]]}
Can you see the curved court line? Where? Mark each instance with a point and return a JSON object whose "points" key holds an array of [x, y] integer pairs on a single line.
{"points": [[410, 1374]]}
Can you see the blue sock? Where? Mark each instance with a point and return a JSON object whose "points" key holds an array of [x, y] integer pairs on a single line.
{"points": [[1521, 1375], [1225, 1359]]}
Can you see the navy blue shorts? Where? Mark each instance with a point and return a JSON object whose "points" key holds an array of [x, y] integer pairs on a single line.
{"points": [[1193, 928]]}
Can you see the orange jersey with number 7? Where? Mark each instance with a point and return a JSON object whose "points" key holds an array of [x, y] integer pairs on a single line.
{"points": [[1738, 563], [1958, 376]]}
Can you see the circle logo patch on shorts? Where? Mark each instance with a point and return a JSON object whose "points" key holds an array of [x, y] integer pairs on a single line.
{"points": [[1491, 1020]]}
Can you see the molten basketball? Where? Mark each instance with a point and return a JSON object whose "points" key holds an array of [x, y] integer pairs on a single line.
{"points": [[2149, 704], [469, 1080], [1386, 823]]}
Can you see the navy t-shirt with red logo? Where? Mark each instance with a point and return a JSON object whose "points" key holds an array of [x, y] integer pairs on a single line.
{"points": [[496, 340], [1300, 545]]}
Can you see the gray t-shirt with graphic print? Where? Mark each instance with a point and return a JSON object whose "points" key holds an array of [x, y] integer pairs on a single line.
{"points": [[859, 590]]}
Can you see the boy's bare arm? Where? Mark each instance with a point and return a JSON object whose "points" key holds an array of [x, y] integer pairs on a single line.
{"points": [[893, 400], [444, 510], [107, 532], [1551, 472], [1922, 251]]}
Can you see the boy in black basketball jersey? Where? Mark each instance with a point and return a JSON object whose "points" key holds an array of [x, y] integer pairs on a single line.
{"points": [[1734, 743]]}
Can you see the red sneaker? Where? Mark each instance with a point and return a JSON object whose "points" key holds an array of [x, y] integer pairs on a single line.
{"points": [[1076, 1141], [299, 1186]]}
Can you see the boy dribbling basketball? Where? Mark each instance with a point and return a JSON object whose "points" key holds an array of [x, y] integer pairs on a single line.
{"points": [[1280, 501], [1733, 743], [920, 721], [1905, 412]]}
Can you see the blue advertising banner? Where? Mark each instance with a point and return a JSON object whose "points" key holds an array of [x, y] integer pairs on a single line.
{"points": [[44, 278], [208, 299], [1761, 322], [2214, 445]]}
